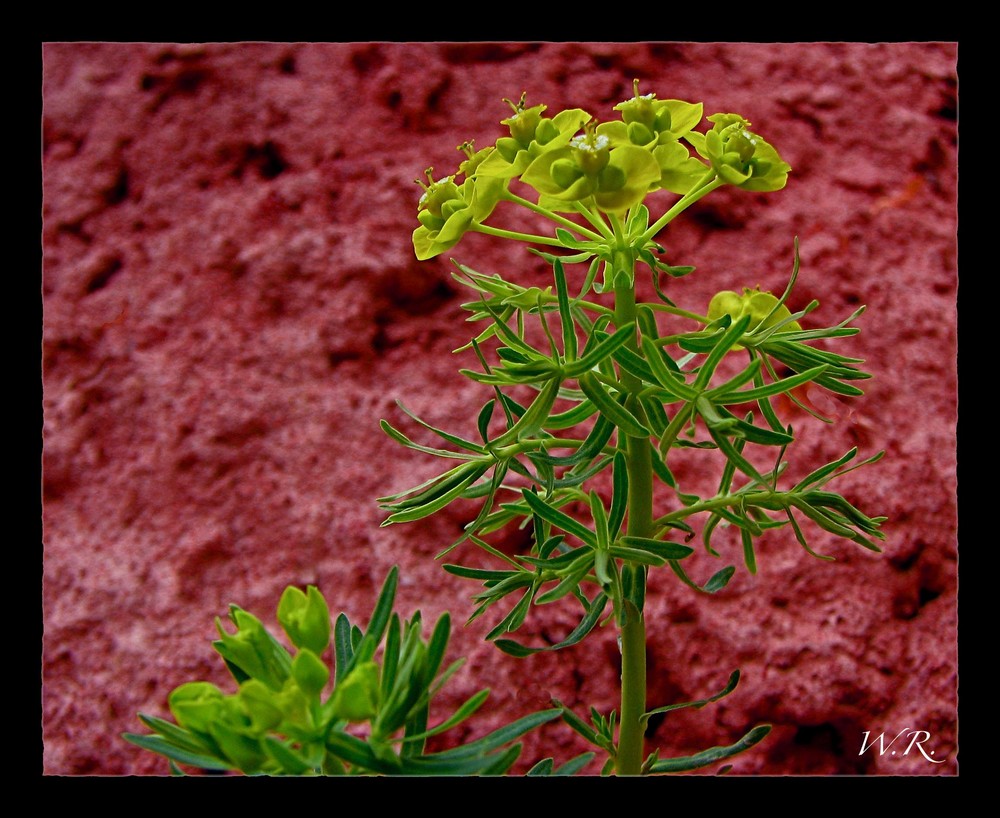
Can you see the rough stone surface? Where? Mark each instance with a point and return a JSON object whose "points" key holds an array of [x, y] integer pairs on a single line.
{"points": [[231, 304]]}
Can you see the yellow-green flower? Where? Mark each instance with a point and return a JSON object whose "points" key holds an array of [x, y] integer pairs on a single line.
{"points": [[740, 157], [763, 307], [617, 178], [444, 216], [531, 135]]}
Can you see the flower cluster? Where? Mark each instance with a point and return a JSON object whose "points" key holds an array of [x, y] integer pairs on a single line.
{"points": [[575, 163]]}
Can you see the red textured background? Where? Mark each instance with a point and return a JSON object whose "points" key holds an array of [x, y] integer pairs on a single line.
{"points": [[231, 303]]}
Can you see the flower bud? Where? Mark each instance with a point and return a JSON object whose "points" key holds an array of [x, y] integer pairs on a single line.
{"points": [[259, 703], [355, 698], [305, 617], [253, 650], [309, 672], [195, 705]]}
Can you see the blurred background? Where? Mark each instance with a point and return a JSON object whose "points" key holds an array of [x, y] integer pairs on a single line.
{"points": [[232, 303]]}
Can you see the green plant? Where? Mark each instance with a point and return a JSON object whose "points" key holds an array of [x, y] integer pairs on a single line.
{"points": [[279, 721], [593, 392]]}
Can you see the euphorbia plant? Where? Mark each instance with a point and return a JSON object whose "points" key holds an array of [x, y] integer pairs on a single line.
{"points": [[593, 394]]}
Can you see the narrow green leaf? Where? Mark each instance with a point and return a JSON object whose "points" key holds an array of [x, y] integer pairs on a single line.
{"points": [[802, 540], [601, 352], [749, 557], [534, 416], [438, 500], [543, 767], [560, 520], [437, 644], [728, 340], [635, 555], [178, 736], [634, 364], [712, 755], [716, 582], [592, 615], [619, 493], [736, 458], [672, 382], [163, 747], [476, 573], [462, 443], [662, 471], [571, 417], [726, 395], [572, 578], [515, 617], [358, 753], [574, 765], [483, 421], [720, 579], [599, 514], [399, 437], [594, 444], [578, 725], [661, 548], [610, 408], [416, 723], [433, 488], [559, 562], [565, 315], [823, 471], [497, 738], [383, 606], [734, 679], [342, 646], [469, 707], [288, 759]]}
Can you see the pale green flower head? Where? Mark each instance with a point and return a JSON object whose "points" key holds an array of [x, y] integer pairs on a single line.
{"points": [[531, 135], [444, 215], [740, 157], [764, 309], [647, 121], [617, 178]]}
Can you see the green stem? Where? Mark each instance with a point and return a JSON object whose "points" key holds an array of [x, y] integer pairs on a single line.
{"points": [[701, 319], [722, 501], [639, 465], [706, 185], [513, 234], [630, 736], [593, 218], [568, 223]]}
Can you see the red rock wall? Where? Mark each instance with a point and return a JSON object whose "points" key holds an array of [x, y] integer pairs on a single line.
{"points": [[231, 304]]}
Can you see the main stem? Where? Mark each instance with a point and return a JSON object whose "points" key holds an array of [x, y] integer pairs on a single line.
{"points": [[639, 465]]}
